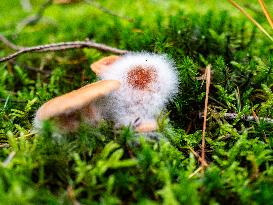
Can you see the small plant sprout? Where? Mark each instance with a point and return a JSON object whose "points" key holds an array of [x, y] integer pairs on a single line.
{"points": [[133, 90]]}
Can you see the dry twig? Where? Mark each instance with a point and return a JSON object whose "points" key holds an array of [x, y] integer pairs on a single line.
{"points": [[208, 72], [64, 46], [243, 11], [266, 13]]}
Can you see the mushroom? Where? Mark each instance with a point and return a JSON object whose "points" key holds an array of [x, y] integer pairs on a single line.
{"points": [[134, 86]]}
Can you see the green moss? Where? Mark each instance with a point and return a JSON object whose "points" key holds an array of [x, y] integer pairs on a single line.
{"points": [[102, 165]]}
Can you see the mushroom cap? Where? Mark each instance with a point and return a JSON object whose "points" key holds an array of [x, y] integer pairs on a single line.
{"points": [[101, 65], [76, 99]]}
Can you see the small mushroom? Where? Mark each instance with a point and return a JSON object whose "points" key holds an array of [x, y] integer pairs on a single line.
{"points": [[133, 85], [76, 99], [103, 64]]}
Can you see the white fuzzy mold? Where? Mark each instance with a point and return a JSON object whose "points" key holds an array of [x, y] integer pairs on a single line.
{"points": [[148, 82]]}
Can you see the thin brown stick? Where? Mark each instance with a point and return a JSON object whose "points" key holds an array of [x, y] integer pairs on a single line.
{"points": [[208, 72], [250, 18], [64, 46], [266, 13], [9, 44]]}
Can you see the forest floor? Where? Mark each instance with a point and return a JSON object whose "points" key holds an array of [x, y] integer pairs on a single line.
{"points": [[102, 165]]}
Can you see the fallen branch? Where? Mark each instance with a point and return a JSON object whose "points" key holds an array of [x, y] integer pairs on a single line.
{"points": [[63, 46], [203, 160]]}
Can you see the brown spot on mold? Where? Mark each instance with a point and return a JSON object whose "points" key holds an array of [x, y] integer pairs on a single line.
{"points": [[140, 77]]}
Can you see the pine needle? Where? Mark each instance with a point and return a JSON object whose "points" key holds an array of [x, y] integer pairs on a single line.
{"points": [[266, 13], [250, 18], [208, 72]]}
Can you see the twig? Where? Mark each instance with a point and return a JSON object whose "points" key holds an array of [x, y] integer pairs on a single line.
{"points": [[208, 72], [63, 46], [266, 13], [107, 11], [9, 44], [250, 18]]}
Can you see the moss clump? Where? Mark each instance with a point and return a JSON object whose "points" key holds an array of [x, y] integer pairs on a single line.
{"points": [[106, 166]]}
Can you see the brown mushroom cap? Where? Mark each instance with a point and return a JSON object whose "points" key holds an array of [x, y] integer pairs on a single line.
{"points": [[76, 99], [99, 66]]}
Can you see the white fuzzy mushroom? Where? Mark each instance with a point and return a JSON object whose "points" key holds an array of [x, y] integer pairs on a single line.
{"points": [[134, 89], [148, 82]]}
